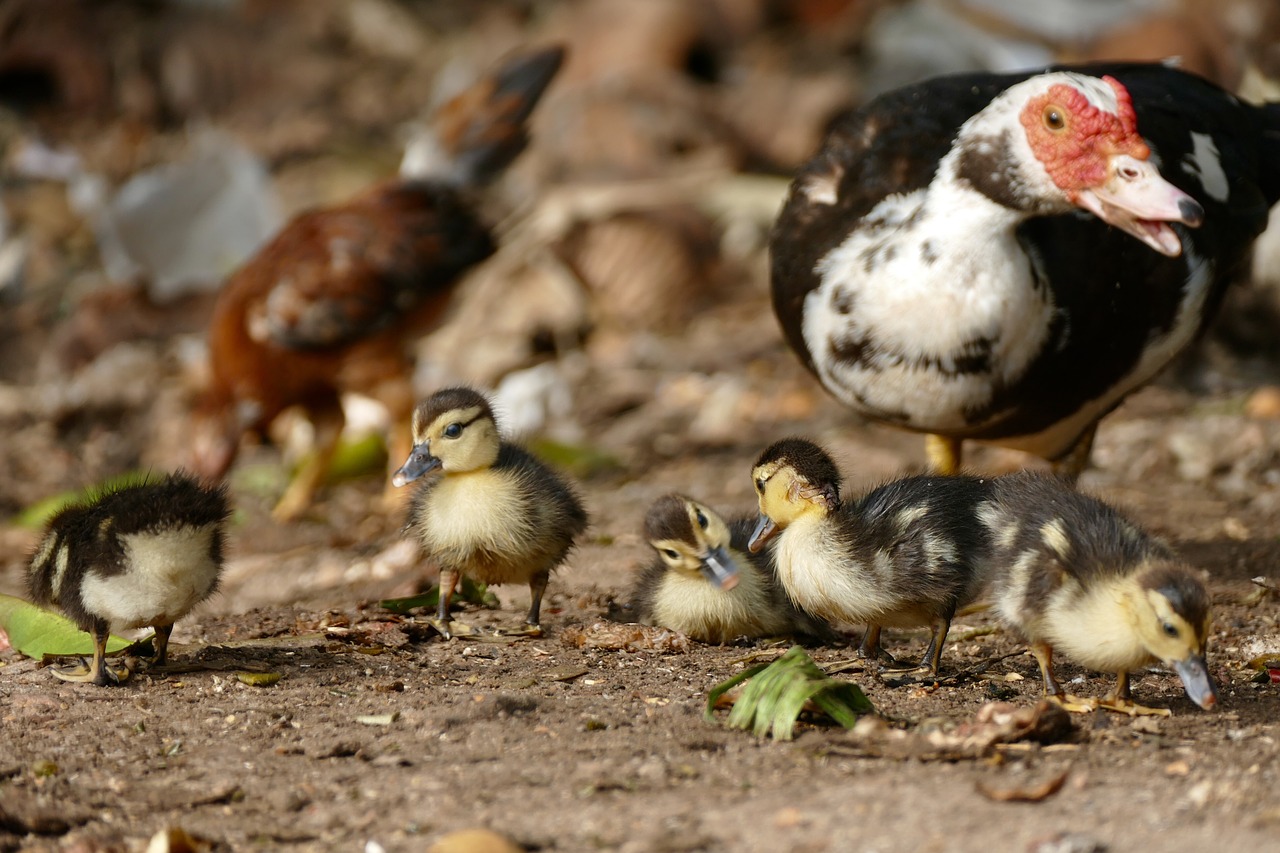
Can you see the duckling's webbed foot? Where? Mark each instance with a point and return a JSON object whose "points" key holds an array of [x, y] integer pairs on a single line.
{"points": [[933, 654], [1053, 690], [532, 626], [870, 649], [1133, 709], [86, 673], [1074, 704], [450, 628], [448, 582], [523, 631], [1120, 700], [537, 586], [98, 672], [161, 642]]}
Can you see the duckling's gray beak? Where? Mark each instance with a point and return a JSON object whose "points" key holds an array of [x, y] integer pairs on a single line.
{"points": [[765, 530], [720, 569], [420, 462], [1194, 673]]}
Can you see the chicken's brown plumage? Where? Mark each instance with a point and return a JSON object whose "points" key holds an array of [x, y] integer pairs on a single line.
{"points": [[333, 303]]}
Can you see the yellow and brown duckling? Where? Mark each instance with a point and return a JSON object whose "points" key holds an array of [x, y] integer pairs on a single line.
{"points": [[704, 584], [135, 557], [1075, 576], [906, 554], [494, 513]]}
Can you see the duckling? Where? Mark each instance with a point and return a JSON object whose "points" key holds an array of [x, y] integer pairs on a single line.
{"points": [[135, 557], [903, 555], [705, 586], [1074, 575], [495, 513]]}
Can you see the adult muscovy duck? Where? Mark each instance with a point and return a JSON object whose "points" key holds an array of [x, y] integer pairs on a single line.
{"points": [[1005, 257]]}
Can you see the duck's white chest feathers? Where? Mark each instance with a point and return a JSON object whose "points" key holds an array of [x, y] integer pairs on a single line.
{"points": [[480, 524], [169, 572], [704, 612], [927, 308], [821, 576]]}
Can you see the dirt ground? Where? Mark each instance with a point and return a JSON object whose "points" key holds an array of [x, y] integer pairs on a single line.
{"points": [[379, 731], [380, 735]]}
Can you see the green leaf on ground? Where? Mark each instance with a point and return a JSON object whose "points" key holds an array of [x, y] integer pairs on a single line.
{"points": [[472, 592], [358, 458], [777, 692], [38, 514], [578, 459], [37, 632]]}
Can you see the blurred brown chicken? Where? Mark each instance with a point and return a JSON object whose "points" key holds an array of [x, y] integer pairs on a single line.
{"points": [[333, 303]]}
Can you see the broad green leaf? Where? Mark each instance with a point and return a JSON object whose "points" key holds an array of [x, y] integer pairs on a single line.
{"points": [[258, 679], [472, 592], [776, 693], [361, 457], [37, 632], [39, 513], [578, 459]]}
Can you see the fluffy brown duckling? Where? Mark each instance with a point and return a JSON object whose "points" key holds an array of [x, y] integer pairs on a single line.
{"points": [[906, 554], [135, 557], [494, 513], [1075, 576], [704, 584]]}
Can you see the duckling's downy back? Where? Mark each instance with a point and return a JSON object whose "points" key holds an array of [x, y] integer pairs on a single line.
{"points": [[1072, 574], [903, 554], [134, 555]]}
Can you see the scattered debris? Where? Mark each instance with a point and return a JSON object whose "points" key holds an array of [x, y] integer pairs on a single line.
{"points": [[618, 636], [996, 725], [1024, 793]]}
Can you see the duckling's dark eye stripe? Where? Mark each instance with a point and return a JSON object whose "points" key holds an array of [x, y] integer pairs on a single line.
{"points": [[465, 424]]}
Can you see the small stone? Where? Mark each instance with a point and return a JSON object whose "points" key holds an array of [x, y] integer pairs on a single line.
{"points": [[1264, 403], [474, 841]]}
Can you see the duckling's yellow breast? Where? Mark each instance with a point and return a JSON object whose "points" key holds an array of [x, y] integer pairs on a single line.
{"points": [[480, 523], [1095, 628], [167, 573], [819, 572], [703, 611]]}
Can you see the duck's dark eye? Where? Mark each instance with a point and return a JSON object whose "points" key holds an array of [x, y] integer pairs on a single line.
{"points": [[1170, 629], [1053, 118], [453, 431], [671, 553], [760, 481], [702, 520]]}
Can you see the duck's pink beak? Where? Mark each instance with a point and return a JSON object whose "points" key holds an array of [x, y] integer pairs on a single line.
{"points": [[1137, 200]]}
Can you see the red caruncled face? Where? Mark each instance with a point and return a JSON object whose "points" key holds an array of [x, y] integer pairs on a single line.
{"points": [[1075, 139]]}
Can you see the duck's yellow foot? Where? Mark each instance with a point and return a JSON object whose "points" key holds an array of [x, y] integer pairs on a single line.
{"points": [[945, 453], [291, 506], [1074, 704], [450, 628], [1133, 709], [522, 631], [102, 676]]}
